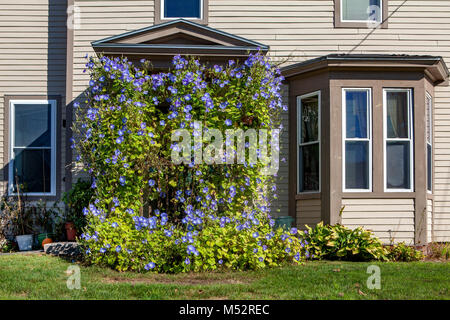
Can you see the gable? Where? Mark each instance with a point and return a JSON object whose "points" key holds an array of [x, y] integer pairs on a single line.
{"points": [[178, 37]]}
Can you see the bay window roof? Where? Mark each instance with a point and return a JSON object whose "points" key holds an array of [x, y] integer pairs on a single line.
{"points": [[433, 67]]}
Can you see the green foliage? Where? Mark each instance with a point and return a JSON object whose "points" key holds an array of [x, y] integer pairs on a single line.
{"points": [[439, 251], [402, 252], [228, 248], [341, 243], [151, 213], [6, 246], [76, 199]]}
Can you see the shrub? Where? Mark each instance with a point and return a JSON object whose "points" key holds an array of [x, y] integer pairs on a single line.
{"points": [[402, 252], [76, 199], [439, 251], [149, 213], [340, 243]]}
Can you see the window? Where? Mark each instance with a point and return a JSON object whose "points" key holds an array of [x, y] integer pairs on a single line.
{"points": [[308, 137], [357, 146], [181, 9], [166, 10], [429, 129], [361, 13], [398, 141], [32, 140]]}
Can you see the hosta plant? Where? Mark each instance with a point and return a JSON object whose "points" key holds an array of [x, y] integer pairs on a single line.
{"points": [[338, 242]]}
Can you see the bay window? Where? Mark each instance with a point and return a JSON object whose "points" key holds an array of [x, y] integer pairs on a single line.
{"points": [[398, 140], [32, 151], [308, 137], [357, 146]]}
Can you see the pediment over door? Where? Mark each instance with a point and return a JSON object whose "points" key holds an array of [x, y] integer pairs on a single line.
{"points": [[161, 42]]}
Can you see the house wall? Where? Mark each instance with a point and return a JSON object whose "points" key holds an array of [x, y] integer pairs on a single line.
{"points": [[301, 30], [32, 60], [280, 205], [308, 212]]}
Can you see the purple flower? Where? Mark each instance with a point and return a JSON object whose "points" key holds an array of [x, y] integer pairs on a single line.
{"points": [[118, 248], [122, 180], [255, 234], [119, 140], [151, 182], [149, 266], [187, 261], [228, 122]]}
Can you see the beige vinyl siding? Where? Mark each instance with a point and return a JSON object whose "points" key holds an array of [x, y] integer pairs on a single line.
{"points": [[392, 220], [32, 57], [308, 212], [296, 31]]}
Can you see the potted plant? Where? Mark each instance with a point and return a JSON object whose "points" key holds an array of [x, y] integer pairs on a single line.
{"points": [[25, 236], [76, 199], [46, 218]]}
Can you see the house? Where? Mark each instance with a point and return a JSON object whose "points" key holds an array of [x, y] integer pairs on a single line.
{"points": [[366, 137]]}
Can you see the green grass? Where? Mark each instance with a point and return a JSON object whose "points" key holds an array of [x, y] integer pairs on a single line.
{"points": [[43, 277]]}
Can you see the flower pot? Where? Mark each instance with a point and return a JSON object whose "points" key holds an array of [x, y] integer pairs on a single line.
{"points": [[45, 241], [284, 222], [70, 231], [43, 236], [25, 242]]}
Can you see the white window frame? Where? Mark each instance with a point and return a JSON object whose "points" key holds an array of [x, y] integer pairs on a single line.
{"points": [[186, 18], [360, 21], [299, 133], [368, 139], [410, 139], [429, 106], [12, 104]]}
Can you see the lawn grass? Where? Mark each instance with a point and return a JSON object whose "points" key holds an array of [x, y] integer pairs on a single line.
{"points": [[35, 276]]}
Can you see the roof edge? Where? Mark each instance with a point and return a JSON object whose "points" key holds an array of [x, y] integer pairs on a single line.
{"points": [[434, 66], [97, 43]]}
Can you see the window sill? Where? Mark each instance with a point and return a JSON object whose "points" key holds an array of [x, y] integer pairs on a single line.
{"points": [[199, 21], [358, 25], [378, 195]]}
